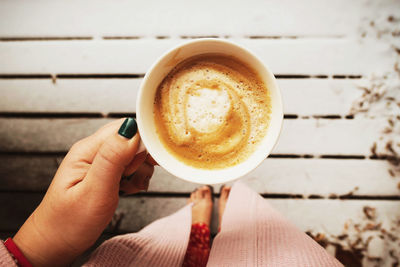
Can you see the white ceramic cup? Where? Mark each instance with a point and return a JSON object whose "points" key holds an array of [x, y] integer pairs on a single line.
{"points": [[145, 115]]}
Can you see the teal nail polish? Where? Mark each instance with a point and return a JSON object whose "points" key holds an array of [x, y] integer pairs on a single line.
{"points": [[128, 129]]}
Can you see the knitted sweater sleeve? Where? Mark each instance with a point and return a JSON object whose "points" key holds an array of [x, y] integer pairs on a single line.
{"points": [[162, 243], [6, 258]]}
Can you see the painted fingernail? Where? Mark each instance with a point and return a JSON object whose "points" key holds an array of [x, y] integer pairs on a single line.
{"points": [[128, 129]]}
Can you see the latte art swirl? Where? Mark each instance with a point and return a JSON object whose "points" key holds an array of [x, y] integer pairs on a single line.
{"points": [[211, 111]]}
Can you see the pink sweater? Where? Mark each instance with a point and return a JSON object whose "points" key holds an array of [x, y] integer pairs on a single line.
{"points": [[252, 234]]}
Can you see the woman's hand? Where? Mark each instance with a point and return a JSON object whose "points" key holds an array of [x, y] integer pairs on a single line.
{"points": [[83, 195]]}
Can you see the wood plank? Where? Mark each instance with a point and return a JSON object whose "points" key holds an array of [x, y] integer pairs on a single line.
{"points": [[308, 136], [16, 208], [321, 177], [335, 137], [132, 18], [27, 173], [312, 216], [307, 97], [152, 208], [75, 95], [283, 56], [305, 177], [58, 134], [5, 235], [304, 97]]}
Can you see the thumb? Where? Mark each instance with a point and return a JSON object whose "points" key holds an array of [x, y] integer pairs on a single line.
{"points": [[110, 161]]}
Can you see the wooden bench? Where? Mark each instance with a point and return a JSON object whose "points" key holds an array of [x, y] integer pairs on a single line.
{"points": [[71, 66]]}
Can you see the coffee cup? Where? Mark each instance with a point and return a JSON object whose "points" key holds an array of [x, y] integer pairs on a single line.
{"points": [[147, 125]]}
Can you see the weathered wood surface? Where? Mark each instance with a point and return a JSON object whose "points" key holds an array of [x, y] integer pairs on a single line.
{"points": [[58, 61], [151, 208], [304, 56], [303, 97], [307, 177], [176, 18], [299, 136]]}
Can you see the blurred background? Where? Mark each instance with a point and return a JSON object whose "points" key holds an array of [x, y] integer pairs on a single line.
{"points": [[68, 67]]}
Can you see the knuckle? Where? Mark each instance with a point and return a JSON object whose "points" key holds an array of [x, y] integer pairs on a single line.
{"points": [[78, 145], [110, 153]]}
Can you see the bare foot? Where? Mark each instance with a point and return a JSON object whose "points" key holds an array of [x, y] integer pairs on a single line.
{"points": [[225, 190], [202, 208]]}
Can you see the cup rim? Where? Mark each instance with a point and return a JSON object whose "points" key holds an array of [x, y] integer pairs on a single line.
{"points": [[147, 142]]}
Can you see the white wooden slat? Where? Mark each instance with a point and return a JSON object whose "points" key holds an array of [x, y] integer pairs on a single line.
{"points": [[46, 134], [337, 137], [313, 210], [324, 56], [300, 96], [306, 177], [27, 173], [306, 97], [302, 56], [303, 97], [321, 177], [310, 136], [75, 95], [177, 17]]}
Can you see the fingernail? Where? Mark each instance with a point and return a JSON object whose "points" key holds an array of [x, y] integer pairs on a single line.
{"points": [[128, 129]]}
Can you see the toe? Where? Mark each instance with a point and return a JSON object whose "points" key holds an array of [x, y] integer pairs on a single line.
{"points": [[204, 190], [208, 193], [225, 191], [193, 196], [198, 193]]}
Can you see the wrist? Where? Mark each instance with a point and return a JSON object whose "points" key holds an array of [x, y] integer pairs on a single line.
{"points": [[16, 254], [28, 247], [39, 247]]}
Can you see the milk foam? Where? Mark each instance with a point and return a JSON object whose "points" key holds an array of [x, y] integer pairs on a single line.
{"points": [[206, 109], [212, 111]]}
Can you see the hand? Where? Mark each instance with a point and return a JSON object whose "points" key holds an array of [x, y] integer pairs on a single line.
{"points": [[83, 195]]}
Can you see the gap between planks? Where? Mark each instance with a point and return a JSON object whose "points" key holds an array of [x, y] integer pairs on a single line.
{"points": [[84, 115], [276, 196], [54, 77], [281, 156], [347, 197], [159, 37]]}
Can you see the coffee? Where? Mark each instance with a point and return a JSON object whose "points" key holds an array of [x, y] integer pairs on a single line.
{"points": [[212, 111]]}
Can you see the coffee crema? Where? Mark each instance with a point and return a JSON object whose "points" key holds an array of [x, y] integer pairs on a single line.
{"points": [[211, 111]]}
